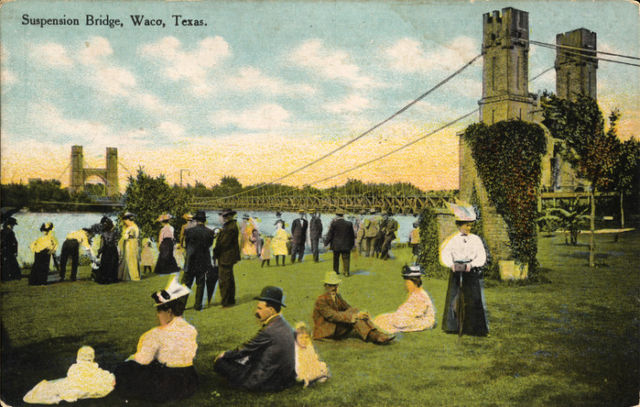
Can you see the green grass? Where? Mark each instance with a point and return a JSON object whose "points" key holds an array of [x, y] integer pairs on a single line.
{"points": [[571, 341]]}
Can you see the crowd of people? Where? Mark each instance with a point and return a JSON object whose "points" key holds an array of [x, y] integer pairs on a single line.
{"points": [[278, 356]]}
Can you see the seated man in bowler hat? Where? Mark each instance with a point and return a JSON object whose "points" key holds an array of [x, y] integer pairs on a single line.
{"points": [[334, 318], [266, 362]]}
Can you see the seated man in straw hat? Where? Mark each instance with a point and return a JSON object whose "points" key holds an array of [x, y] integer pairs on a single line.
{"points": [[266, 362], [334, 318]]}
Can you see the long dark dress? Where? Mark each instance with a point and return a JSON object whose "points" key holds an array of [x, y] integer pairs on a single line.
{"points": [[166, 263], [40, 268], [155, 381], [474, 319], [10, 268], [109, 260]]}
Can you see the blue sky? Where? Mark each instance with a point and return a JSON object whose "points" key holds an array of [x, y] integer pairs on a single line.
{"points": [[266, 87]]}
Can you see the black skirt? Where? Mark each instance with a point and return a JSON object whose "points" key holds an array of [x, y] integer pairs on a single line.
{"points": [[166, 263], [155, 381], [107, 273], [40, 268], [465, 304]]}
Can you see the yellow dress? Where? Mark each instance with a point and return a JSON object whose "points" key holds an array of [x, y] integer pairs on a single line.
{"points": [[279, 243], [248, 247], [129, 254]]}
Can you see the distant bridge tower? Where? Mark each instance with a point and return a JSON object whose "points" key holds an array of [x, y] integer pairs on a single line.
{"points": [[505, 71], [576, 69], [79, 173]]}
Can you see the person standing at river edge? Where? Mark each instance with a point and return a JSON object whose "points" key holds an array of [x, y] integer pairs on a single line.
{"points": [[128, 248], [71, 248], [315, 233], [10, 268], [227, 253], [298, 237], [198, 240], [166, 263], [341, 239], [42, 249]]}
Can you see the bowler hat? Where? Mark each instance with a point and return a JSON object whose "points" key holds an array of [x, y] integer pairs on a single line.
{"points": [[173, 291], [330, 277], [200, 216], [412, 271], [271, 294], [227, 212]]}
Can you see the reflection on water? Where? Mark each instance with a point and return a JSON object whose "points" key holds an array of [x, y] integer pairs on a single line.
{"points": [[28, 228]]}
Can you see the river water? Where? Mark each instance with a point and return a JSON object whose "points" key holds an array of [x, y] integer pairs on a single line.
{"points": [[28, 227]]}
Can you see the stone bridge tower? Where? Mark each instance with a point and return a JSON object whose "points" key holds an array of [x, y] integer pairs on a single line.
{"points": [[79, 173]]}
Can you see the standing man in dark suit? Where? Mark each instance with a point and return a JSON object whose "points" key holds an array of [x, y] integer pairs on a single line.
{"points": [[298, 236], [266, 362], [315, 232], [198, 240], [227, 253], [341, 240]]}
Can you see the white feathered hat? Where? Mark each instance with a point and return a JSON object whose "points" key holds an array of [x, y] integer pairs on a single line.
{"points": [[173, 291], [463, 212]]}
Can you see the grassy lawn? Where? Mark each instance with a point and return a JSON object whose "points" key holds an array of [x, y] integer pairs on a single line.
{"points": [[571, 341]]}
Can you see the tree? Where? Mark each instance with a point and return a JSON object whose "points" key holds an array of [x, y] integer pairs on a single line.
{"points": [[627, 172], [148, 197], [586, 145], [569, 217]]}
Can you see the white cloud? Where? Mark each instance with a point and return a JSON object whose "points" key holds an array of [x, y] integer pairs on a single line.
{"points": [[170, 129], [7, 77], [192, 66], [408, 55], [265, 117], [94, 51], [351, 104], [51, 54], [114, 80], [330, 64], [250, 79], [467, 87], [52, 120]]}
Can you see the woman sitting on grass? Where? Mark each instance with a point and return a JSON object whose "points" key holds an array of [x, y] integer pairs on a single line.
{"points": [[162, 368], [417, 312]]}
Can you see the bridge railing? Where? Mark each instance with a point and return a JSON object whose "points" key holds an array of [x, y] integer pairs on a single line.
{"points": [[349, 203]]}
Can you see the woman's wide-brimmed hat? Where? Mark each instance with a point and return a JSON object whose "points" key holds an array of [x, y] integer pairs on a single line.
{"points": [[463, 212], [200, 216], [227, 212], [173, 291], [165, 217], [330, 277], [128, 215], [272, 294], [414, 270]]}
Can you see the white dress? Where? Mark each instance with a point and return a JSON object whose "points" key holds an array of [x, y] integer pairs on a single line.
{"points": [[415, 314]]}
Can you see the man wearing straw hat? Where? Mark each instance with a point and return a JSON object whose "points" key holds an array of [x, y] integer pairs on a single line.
{"points": [[266, 362], [227, 252], [334, 318]]}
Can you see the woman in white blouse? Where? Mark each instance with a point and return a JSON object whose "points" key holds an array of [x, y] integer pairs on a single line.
{"points": [[162, 368], [416, 313], [464, 254]]}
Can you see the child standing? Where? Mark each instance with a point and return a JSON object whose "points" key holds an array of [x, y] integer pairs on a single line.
{"points": [[146, 256], [265, 253]]}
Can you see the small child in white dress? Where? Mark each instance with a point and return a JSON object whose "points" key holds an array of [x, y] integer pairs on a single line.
{"points": [[309, 368], [84, 380]]}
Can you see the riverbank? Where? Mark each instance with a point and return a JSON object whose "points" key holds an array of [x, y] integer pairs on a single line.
{"points": [[572, 341]]}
